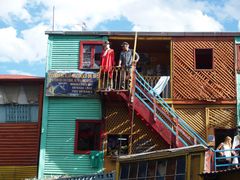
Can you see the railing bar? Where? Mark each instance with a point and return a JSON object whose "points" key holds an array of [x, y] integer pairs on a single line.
{"points": [[160, 119], [107, 76], [116, 76], [99, 78], [120, 79], [103, 80], [181, 131], [153, 103], [167, 107], [124, 77]]}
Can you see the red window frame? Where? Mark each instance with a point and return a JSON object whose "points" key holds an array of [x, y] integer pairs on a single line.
{"points": [[82, 43], [98, 148], [195, 63]]}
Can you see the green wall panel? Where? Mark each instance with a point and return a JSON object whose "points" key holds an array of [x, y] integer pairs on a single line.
{"points": [[237, 40], [59, 114], [63, 51], [59, 148]]}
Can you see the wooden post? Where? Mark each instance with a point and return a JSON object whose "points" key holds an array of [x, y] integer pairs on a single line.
{"points": [[132, 92], [99, 79]]}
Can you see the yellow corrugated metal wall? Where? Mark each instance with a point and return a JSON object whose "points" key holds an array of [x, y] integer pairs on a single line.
{"points": [[17, 172]]}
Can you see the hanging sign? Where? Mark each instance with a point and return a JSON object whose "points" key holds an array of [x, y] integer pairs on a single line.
{"points": [[71, 83]]}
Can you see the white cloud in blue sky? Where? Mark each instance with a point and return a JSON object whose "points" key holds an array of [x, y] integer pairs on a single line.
{"points": [[22, 23]]}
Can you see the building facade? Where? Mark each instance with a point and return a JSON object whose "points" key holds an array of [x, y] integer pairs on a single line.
{"points": [[20, 125], [86, 127]]}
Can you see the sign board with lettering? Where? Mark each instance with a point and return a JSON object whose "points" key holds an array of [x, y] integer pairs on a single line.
{"points": [[71, 83]]}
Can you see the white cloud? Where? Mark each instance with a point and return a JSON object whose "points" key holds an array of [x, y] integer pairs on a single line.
{"points": [[31, 46], [16, 8], [14, 71], [231, 10], [151, 15], [171, 15]]}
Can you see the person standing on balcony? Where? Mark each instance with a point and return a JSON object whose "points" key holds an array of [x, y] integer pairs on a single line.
{"points": [[226, 146], [126, 61], [107, 64]]}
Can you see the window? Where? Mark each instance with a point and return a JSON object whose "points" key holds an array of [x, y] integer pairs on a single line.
{"points": [[117, 145], [163, 169], [124, 171], [204, 58], [19, 103], [18, 113], [87, 136], [90, 54]]}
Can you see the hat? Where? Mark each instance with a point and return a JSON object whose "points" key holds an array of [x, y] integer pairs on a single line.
{"points": [[124, 43], [106, 42]]}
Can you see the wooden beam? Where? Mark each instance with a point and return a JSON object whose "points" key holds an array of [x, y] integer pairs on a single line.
{"points": [[202, 102], [139, 38]]}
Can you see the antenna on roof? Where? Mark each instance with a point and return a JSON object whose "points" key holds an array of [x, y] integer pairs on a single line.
{"points": [[84, 26], [53, 18]]}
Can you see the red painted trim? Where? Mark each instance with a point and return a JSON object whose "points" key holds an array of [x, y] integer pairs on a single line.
{"points": [[81, 49], [213, 66], [238, 57], [76, 151]]}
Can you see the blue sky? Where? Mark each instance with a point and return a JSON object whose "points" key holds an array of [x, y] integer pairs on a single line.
{"points": [[22, 23]]}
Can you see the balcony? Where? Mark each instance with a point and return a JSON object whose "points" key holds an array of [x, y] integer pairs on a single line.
{"points": [[119, 79]]}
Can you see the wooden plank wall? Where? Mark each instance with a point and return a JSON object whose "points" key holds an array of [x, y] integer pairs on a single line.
{"points": [[191, 84]]}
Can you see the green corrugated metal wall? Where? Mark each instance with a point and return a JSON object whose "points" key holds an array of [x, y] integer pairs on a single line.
{"points": [[59, 114], [63, 51], [62, 114], [237, 41]]}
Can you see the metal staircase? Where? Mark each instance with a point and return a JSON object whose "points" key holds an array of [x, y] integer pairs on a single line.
{"points": [[154, 111]]}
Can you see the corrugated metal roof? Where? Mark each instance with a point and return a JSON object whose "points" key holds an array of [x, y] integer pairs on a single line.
{"points": [[20, 77], [164, 153], [131, 33]]}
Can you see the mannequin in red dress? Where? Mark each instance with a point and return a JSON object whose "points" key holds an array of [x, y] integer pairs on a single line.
{"points": [[108, 62]]}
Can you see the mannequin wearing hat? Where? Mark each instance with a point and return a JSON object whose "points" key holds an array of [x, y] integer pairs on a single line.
{"points": [[107, 60]]}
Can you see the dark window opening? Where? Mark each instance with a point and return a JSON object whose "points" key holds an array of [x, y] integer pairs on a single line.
{"points": [[90, 55], [117, 145], [133, 170], [204, 58], [88, 136], [124, 171]]}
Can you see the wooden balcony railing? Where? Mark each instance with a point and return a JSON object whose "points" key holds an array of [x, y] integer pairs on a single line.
{"points": [[118, 79], [153, 80]]}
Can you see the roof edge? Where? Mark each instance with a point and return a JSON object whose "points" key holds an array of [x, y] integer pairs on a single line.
{"points": [[144, 33]]}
